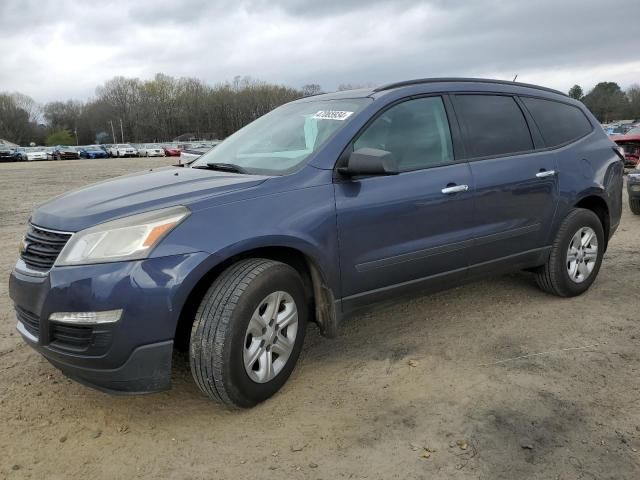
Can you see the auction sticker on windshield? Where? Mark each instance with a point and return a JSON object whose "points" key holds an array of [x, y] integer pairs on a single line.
{"points": [[332, 115]]}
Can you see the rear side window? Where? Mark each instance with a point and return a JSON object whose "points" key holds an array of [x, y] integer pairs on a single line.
{"points": [[558, 123], [494, 125]]}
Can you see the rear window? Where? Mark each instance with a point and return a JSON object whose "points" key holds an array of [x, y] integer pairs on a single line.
{"points": [[558, 123], [494, 125]]}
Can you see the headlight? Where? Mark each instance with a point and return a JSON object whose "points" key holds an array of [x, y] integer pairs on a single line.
{"points": [[129, 238]]}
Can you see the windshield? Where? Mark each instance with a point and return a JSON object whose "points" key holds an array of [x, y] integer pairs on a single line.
{"points": [[634, 131], [283, 139]]}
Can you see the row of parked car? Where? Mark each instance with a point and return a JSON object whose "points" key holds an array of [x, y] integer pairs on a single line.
{"points": [[64, 152], [613, 129], [630, 144]]}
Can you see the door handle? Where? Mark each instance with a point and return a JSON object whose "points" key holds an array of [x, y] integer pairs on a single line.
{"points": [[455, 189], [545, 173]]}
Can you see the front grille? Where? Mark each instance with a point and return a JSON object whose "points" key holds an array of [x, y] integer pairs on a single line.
{"points": [[30, 321], [42, 247]]}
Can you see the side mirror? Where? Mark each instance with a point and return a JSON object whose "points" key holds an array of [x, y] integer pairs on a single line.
{"points": [[370, 161]]}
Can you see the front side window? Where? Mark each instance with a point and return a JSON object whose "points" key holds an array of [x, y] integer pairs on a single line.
{"points": [[558, 123], [280, 141], [494, 125], [416, 132]]}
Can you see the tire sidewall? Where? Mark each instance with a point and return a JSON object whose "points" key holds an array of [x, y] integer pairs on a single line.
{"points": [[584, 218], [240, 387]]}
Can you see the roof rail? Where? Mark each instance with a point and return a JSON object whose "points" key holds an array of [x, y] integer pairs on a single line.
{"points": [[419, 81]]}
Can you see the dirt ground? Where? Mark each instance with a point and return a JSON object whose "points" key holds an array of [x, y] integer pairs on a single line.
{"points": [[496, 379]]}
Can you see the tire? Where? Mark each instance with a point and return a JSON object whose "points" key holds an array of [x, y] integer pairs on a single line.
{"points": [[634, 204], [221, 338], [554, 277]]}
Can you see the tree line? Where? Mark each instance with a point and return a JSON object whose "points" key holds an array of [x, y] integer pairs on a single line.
{"points": [[135, 110], [608, 102], [165, 108]]}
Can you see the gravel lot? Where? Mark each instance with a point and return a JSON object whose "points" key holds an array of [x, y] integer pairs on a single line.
{"points": [[496, 379]]}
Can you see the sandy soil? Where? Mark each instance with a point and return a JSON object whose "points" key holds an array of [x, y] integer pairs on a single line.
{"points": [[496, 379]]}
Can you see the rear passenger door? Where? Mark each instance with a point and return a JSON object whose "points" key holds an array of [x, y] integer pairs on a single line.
{"points": [[515, 187]]}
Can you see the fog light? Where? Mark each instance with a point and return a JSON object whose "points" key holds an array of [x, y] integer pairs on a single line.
{"points": [[86, 318], [635, 188]]}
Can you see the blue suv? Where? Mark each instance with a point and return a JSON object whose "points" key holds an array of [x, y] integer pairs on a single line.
{"points": [[325, 205]]}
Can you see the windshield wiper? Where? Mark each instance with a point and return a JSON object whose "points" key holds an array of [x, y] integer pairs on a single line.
{"points": [[224, 167]]}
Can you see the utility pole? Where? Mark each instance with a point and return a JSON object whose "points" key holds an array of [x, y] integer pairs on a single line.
{"points": [[121, 131], [113, 132]]}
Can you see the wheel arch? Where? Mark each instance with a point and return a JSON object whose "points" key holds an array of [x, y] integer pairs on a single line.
{"points": [[319, 293], [598, 205]]}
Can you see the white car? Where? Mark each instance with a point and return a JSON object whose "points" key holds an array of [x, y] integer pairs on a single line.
{"points": [[36, 154], [151, 150], [123, 150]]}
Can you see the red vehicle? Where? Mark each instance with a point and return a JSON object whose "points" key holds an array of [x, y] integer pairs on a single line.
{"points": [[630, 143], [171, 151]]}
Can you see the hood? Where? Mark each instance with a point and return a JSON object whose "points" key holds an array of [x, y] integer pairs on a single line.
{"points": [[137, 193]]}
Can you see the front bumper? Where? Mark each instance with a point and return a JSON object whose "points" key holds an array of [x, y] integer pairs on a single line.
{"points": [[132, 355]]}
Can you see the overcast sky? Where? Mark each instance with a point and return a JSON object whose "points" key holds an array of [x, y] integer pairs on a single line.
{"points": [[63, 49]]}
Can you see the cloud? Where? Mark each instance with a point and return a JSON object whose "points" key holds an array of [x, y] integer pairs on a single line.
{"points": [[64, 49]]}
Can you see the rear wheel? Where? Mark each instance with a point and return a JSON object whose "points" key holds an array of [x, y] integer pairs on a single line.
{"points": [[634, 204], [248, 332], [576, 255]]}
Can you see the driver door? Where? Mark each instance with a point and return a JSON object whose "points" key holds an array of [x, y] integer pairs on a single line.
{"points": [[411, 229]]}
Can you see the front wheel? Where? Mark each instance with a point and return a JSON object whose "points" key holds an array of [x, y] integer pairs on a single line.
{"points": [[634, 204], [248, 332], [576, 255]]}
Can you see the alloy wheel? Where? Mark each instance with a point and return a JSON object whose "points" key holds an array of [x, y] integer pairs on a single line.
{"points": [[270, 337], [582, 254]]}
